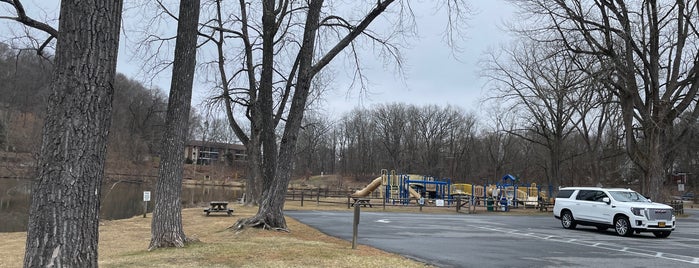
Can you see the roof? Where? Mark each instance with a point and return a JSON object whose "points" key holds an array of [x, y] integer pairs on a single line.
{"points": [[594, 188], [217, 145]]}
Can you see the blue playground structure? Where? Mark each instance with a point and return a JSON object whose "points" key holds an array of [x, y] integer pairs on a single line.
{"points": [[401, 188], [508, 192], [428, 187]]}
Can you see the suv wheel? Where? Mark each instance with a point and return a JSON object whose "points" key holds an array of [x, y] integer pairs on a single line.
{"points": [[567, 220], [622, 226], [661, 234]]}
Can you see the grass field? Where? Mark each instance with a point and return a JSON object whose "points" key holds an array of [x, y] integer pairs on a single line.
{"points": [[123, 243]]}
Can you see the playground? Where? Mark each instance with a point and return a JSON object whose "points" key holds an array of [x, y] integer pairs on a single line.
{"points": [[405, 189]]}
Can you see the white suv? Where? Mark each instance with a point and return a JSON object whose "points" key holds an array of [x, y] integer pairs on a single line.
{"points": [[622, 209]]}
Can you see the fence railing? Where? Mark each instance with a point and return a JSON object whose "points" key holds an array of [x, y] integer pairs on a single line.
{"points": [[321, 196], [343, 197], [677, 207]]}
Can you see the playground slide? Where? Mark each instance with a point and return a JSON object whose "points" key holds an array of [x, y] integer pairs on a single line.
{"points": [[532, 201], [369, 188], [413, 193]]}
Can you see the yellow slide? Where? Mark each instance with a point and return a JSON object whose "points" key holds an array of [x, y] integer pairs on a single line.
{"points": [[413, 193], [369, 188]]}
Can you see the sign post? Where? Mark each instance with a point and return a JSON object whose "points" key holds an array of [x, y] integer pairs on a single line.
{"points": [[146, 198], [355, 225]]}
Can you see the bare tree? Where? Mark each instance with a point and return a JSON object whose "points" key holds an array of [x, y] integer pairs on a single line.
{"points": [[219, 131], [498, 142], [461, 146], [64, 214], [24, 93], [598, 113], [430, 140], [539, 83], [138, 118], [166, 226], [651, 46], [274, 77], [313, 138], [434, 125], [391, 121], [356, 148]]}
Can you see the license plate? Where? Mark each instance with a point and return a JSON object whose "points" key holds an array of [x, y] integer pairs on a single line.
{"points": [[661, 224]]}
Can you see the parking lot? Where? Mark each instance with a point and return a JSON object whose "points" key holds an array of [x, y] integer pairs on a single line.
{"points": [[500, 240]]}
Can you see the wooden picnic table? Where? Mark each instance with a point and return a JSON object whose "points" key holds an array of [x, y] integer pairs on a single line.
{"points": [[218, 206]]}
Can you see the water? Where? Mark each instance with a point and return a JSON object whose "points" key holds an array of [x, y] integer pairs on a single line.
{"points": [[120, 199]]}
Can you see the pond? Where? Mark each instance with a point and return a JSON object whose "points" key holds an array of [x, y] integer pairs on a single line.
{"points": [[120, 200]]}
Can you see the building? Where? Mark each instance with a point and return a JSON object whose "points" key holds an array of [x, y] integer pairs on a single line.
{"points": [[205, 153]]}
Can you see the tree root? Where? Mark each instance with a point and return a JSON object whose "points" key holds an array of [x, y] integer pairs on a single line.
{"points": [[170, 243], [254, 222], [177, 243]]}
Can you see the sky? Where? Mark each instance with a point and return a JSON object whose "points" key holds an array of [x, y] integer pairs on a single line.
{"points": [[433, 72]]}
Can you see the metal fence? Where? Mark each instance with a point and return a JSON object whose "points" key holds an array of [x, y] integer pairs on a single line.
{"points": [[322, 196], [677, 207]]}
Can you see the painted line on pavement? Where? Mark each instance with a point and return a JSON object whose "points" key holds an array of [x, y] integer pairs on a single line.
{"points": [[641, 252]]}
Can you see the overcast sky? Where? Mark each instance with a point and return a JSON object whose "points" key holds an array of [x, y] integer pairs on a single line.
{"points": [[432, 73]]}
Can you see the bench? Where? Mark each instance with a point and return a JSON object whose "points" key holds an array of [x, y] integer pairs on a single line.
{"points": [[544, 205], [361, 202], [218, 206]]}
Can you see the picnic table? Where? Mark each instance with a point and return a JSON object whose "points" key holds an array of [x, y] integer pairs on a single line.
{"points": [[544, 204], [218, 206], [361, 202]]}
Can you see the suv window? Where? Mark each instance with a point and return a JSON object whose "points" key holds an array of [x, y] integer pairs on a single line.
{"points": [[591, 195], [564, 193], [628, 196]]}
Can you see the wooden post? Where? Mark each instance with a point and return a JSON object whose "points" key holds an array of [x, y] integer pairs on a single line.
{"points": [[355, 226], [145, 208], [458, 203], [318, 198], [302, 198], [384, 200], [471, 205]]}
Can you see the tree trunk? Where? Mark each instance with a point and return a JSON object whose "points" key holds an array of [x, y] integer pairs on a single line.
{"points": [[654, 174], [64, 214], [253, 185], [265, 103], [166, 227], [277, 170], [270, 215]]}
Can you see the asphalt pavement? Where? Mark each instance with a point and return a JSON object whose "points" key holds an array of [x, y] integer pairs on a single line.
{"points": [[496, 239]]}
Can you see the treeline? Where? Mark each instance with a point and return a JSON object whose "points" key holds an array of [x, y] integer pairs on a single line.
{"points": [[23, 91], [442, 141], [24, 82], [138, 112], [446, 141]]}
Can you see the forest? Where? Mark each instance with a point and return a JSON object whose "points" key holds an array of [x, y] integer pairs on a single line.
{"points": [[437, 140]]}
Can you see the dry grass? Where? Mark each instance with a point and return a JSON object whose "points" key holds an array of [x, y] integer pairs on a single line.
{"points": [[123, 243]]}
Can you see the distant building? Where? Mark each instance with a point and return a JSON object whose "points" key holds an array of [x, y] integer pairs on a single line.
{"points": [[205, 153]]}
